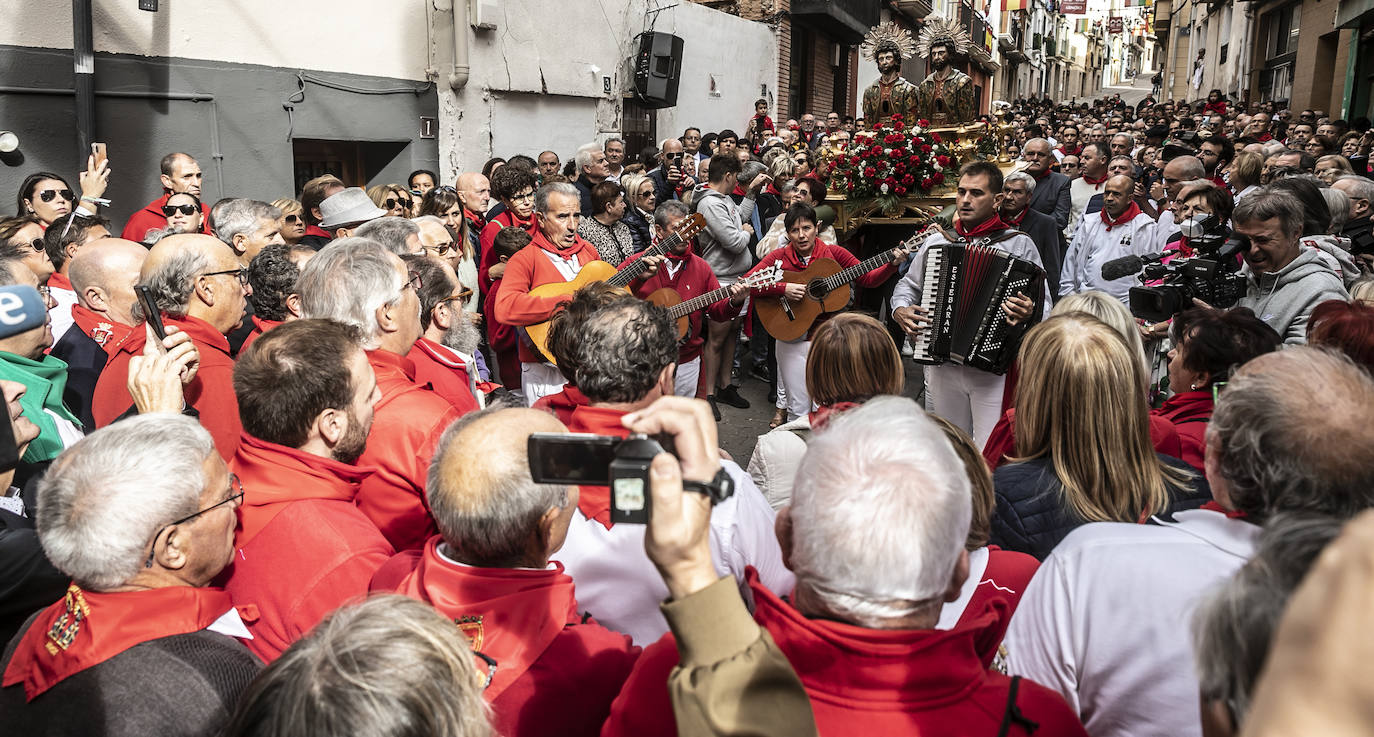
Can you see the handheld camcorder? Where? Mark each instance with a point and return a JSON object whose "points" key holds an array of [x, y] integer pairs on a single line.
{"points": [[1210, 275], [605, 460]]}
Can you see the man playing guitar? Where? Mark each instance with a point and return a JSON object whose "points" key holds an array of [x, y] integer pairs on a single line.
{"points": [[689, 275], [968, 397], [556, 254]]}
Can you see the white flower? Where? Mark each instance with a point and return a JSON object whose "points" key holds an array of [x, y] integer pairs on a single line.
{"points": [[883, 188], [887, 151]]}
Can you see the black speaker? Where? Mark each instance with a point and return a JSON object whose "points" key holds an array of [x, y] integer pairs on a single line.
{"points": [[657, 67]]}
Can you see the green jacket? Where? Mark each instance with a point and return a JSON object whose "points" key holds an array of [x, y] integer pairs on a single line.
{"points": [[46, 380]]}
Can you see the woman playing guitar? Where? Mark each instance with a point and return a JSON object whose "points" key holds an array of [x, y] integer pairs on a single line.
{"points": [[803, 250]]}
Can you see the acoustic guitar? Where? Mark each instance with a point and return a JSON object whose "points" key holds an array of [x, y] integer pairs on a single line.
{"points": [[680, 311], [827, 290], [600, 271]]}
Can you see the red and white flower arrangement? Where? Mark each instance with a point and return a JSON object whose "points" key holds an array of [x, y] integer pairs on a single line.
{"points": [[894, 162]]}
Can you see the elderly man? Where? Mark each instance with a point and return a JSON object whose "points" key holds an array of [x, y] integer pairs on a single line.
{"points": [[591, 171], [860, 625], [557, 254], [1299, 161], [358, 282], [1095, 158], [497, 532], [1122, 144], [24, 359], [1357, 228], [306, 396], [614, 148], [549, 164], [1178, 172], [1099, 622], [625, 357], [201, 289], [396, 234], [444, 354], [62, 243], [345, 210], [1051, 195], [141, 517], [1284, 282], [1119, 229], [274, 299], [670, 177], [1017, 191], [103, 279], [180, 173], [474, 191], [247, 226]]}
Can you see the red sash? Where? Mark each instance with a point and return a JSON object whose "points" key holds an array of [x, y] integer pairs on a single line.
{"points": [[107, 333], [822, 415], [85, 629]]}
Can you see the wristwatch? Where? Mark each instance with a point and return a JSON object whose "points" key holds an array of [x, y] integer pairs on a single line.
{"points": [[718, 489]]}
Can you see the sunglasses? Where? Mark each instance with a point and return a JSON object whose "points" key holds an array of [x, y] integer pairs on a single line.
{"points": [[37, 245], [170, 210], [391, 202], [48, 195], [293, 219]]}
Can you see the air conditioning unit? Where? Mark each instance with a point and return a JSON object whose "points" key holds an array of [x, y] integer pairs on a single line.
{"points": [[482, 14]]}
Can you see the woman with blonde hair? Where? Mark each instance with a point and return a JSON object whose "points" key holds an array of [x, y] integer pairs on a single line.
{"points": [[1083, 450], [292, 220], [852, 360], [395, 199], [1244, 173]]}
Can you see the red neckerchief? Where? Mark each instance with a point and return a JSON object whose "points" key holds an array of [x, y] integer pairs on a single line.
{"points": [[1074, 152], [595, 501], [1126, 217], [983, 228], [1215, 507], [85, 629], [508, 614], [478, 221], [1041, 175], [58, 280], [686, 255], [770, 189], [271, 466], [508, 219], [739, 190], [1096, 183], [107, 333], [318, 231], [1266, 137], [563, 403], [567, 254], [821, 416], [264, 325], [1014, 220]]}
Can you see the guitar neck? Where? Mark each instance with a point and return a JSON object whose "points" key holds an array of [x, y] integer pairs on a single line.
{"points": [[631, 270], [683, 309], [848, 275]]}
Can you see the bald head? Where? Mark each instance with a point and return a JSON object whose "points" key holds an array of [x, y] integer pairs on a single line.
{"points": [[474, 190], [103, 275], [197, 275], [1182, 169], [1116, 194], [488, 509], [1291, 434]]}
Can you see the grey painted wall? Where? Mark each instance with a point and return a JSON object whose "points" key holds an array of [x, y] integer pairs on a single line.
{"points": [[246, 117]]}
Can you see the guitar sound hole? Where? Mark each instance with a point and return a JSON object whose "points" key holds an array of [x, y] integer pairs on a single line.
{"points": [[816, 290]]}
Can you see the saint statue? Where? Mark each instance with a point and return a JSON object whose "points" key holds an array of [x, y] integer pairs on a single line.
{"points": [[887, 45], [945, 97]]}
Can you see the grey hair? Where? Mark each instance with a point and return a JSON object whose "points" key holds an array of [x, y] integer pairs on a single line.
{"points": [[611, 140], [781, 167], [1234, 626], [1291, 434], [348, 281], [585, 155], [1338, 203], [1022, 177], [1191, 166], [105, 497], [240, 216], [750, 171], [1267, 203], [174, 281], [541, 198], [1364, 186], [388, 666], [880, 512], [491, 526], [669, 209], [391, 232]]}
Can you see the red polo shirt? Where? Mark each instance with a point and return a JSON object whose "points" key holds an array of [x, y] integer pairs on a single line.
{"points": [[694, 279]]}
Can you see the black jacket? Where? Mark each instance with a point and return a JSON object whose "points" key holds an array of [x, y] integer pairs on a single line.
{"points": [[584, 188], [1041, 229], [1031, 516], [1361, 235], [641, 230], [1051, 196], [85, 360]]}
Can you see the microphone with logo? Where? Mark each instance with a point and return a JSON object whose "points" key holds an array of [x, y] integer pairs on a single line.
{"points": [[21, 310]]}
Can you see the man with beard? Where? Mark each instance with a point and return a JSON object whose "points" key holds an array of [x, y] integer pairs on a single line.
{"points": [[892, 94], [306, 394], [945, 96], [443, 356]]}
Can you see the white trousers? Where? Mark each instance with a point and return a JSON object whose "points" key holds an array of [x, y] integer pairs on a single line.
{"points": [[967, 397], [685, 383], [538, 380], [792, 373]]}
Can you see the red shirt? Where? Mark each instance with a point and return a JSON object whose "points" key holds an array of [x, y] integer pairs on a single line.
{"points": [[406, 426], [260, 326], [866, 681], [1002, 440], [1189, 413], [151, 218], [563, 403], [211, 393], [694, 279], [302, 548], [445, 373], [788, 258], [556, 674], [530, 268], [595, 501]]}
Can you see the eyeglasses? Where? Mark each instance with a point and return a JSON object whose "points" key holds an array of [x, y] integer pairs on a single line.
{"points": [[242, 274], [293, 219], [235, 496], [444, 249], [523, 196], [48, 195], [649, 193], [462, 296], [391, 202], [491, 668], [414, 281], [170, 210], [37, 245]]}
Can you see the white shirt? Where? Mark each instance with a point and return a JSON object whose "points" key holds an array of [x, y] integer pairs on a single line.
{"points": [[1094, 245], [568, 267], [618, 584], [1106, 620], [1164, 228], [1080, 191], [61, 313]]}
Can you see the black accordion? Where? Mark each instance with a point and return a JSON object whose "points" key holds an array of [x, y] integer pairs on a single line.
{"points": [[963, 286]]}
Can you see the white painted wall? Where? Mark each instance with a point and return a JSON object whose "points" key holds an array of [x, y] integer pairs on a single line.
{"points": [[743, 56]]}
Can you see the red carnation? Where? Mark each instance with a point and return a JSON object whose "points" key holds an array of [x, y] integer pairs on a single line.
{"points": [[908, 180], [870, 171], [900, 190], [939, 177], [925, 183], [897, 116], [925, 149], [936, 137], [890, 182], [923, 123], [943, 161]]}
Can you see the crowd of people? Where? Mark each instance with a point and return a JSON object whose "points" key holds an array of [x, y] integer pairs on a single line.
{"points": [[273, 468]]}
